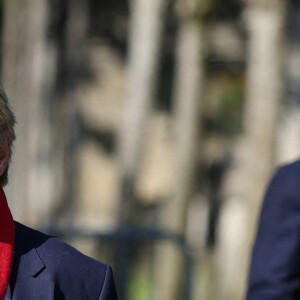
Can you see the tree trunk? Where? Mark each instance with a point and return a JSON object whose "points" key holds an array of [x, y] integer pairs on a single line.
{"points": [[73, 59], [27, 76], [265, 22], [289, 126], [144, 42], [187, 90]]}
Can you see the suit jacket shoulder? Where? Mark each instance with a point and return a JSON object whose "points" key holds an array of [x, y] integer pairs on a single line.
{"points": [[47, 268], [275, 265]]}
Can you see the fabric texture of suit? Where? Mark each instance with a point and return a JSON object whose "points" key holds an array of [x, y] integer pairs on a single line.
{"points": [[46, 268], [275, 265]]}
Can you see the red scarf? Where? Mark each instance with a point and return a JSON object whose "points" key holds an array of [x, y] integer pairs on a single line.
{"points": [[7, 244]]}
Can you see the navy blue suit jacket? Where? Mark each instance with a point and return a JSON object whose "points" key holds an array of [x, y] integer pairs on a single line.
{"points": [[46, 268], [275, 265]]}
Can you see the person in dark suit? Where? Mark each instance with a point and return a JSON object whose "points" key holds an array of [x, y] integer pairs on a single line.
{"points": [[275, 266], [37, 266]]}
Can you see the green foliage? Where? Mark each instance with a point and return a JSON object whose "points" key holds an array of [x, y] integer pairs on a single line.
{"points": [[206, 10], [228, 118], [231, 114], [140, 284]]}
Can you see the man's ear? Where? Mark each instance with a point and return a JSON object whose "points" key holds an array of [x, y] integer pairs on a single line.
{"points": [[4, 157]]}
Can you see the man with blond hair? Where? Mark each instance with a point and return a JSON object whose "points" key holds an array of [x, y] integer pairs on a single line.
{"points": [[37, 266]]}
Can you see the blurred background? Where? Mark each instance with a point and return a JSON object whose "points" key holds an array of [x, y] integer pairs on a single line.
{"points": [[148, 131]]}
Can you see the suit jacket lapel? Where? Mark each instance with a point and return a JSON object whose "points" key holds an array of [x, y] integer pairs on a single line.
{"points": [[29, 278]]}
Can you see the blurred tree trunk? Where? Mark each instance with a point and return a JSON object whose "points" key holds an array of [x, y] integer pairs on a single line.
{"points": [[187, 90], [143, 57], [27, 73], [289, 129], [72, 74], [265, 22], [144, 42]]}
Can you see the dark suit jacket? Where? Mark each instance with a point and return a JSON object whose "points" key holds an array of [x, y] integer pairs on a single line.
{"points": [[275, 266], [46, 268]]}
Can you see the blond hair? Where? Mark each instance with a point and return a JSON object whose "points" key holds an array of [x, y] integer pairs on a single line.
{"points": [[7, 133]]}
